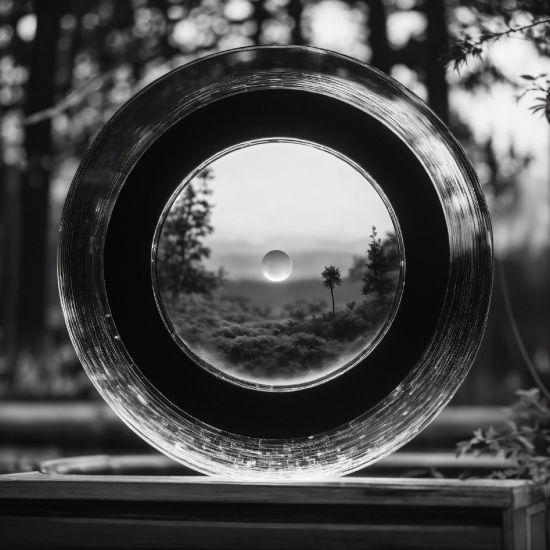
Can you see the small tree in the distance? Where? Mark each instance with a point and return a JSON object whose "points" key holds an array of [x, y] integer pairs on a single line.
{"points": [[331, 278], [375, 280]]}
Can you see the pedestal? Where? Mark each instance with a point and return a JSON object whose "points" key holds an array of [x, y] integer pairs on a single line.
{"points": [[52, 510]]}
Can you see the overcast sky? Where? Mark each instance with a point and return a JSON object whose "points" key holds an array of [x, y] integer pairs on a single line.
{"points": [[292, 197], [492, 113]]}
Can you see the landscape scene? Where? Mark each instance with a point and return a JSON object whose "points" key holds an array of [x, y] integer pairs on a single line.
{"points": [[314, 210]]}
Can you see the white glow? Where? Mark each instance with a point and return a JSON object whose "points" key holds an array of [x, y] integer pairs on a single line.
{"points": [[409, 78], [403, 25], [238, 10], [185, 33], [337, 26], [26, 27], [276, 266]]}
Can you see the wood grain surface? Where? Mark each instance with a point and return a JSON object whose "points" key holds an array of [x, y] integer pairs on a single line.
{"points": [[63, 511], [61, 533], [509, 494]]}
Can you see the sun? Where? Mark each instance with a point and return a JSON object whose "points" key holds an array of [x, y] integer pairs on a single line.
{"points": [[276, 266]]}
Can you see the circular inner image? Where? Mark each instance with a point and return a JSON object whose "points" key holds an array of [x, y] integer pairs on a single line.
{"points": [[278, 266]]}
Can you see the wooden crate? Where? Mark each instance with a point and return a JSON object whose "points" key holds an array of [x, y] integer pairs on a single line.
{"points": [[39, 510]]}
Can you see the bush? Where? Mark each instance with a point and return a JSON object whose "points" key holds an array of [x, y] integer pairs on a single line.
{"points": [[241, 340]]}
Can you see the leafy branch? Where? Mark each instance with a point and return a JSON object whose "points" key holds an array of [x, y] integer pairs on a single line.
{"points": [[71, 100], [524, 439], [461, 50], [468, 47], [542, 104]]}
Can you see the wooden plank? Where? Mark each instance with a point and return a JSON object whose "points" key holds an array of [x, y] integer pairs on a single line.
{"points": [[525, 529], [439, 460], [159, 464], [537, 531], [251, 512], [506, 494], [38, 533], [149, 464], [536, 518], [515, 530]]}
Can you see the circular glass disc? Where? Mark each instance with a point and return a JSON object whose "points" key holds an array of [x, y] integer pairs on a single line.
{"points": [[118, 306], [278, 265]]}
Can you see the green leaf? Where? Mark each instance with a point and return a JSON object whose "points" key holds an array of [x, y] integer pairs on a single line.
{"points": [[527, 77]]}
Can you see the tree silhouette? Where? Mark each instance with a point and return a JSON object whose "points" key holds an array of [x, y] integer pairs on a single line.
{"points": [[180, 249], [375, 280], [391, 252], [332, 278]]}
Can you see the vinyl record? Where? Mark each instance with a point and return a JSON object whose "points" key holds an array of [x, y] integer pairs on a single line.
{"points": [[276, 262]]}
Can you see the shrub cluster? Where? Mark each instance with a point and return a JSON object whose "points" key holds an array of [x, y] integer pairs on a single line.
{"points": [[242, 340]]}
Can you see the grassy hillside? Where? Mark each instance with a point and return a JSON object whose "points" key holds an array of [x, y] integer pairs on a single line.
{"points": [[278, 334]]}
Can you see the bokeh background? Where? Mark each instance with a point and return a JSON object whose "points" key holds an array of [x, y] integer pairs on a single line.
{"points": [[67, 66]]}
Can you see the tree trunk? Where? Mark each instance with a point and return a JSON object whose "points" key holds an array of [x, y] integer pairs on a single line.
{"points": [[9, 274], [437, 42], [260, 16], [295, 9], [332, 294], [378, 39], [35, 184]]}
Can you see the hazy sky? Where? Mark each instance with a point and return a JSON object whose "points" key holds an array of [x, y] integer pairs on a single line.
{"points": [[492, 113], [291, 197], [495, 114]]}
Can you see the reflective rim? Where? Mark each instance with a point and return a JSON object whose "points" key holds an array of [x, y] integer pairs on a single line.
{"points": [[407, 409]]}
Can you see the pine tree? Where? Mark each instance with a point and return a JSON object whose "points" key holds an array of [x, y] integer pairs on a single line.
{"points": [[375, 280], [180, 249]]}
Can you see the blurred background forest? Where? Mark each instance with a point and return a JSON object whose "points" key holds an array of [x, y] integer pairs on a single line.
{"points": [[67, 66]]}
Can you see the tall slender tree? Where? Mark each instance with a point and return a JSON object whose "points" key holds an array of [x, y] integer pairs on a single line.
{"points": [[34, 190], [382, 54], [437, 43], [331, 278]]}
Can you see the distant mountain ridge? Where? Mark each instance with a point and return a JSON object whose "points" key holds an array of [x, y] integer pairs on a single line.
{"points": [[305, 265], [277, 295]]}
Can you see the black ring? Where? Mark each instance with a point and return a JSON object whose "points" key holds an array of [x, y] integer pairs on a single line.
{"points": [[181, 149]]}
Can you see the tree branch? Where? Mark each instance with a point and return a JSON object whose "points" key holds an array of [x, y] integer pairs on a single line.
{"points": [[498, 35], [74, 98], [461, 49]]}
